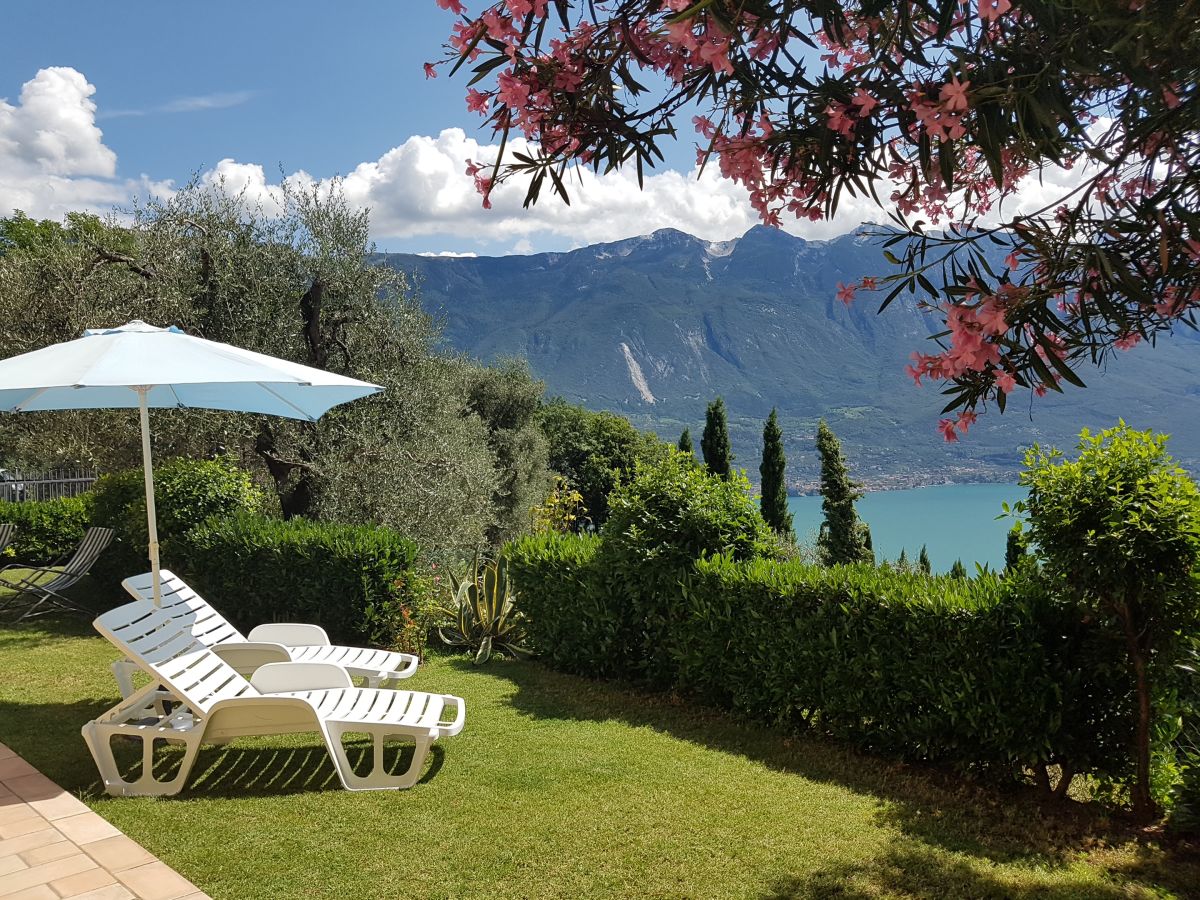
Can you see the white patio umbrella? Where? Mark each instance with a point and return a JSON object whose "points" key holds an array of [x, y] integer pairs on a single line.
{"points": [[143, 366]]}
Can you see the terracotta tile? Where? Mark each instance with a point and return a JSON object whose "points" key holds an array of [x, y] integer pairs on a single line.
{"points": [[50, 852], [38, 892], [16, 811], [6, 751], [82, 882], [59, 807], [118, 852], [35, 786], [45, 873], [111, 892], [48, 835], [12, 864], [21, 826], [7, 796], [85, 827], [156, 881], [15, 767]]}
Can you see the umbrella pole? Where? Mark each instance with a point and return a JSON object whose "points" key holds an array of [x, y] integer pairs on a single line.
{"points": [[148, 471]]}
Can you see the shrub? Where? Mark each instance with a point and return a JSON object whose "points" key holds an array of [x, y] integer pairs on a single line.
{"points": [[46, 530], [668, 516], [358, 582], [187, 492], [482, 615]]}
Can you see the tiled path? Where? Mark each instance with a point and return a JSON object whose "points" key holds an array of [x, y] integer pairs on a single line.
{"points": [[52, 846]]}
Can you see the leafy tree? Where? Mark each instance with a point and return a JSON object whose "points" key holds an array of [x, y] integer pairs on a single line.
{"points": [[923, 563], [958, 570], [1014, 548], [685, 441], [774, 501], [298, 282], [714, 442], [595, 451], [1119, 528], [843, 538], [936, 110]]}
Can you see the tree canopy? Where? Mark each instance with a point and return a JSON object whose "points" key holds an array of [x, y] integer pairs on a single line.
{"points": [[937, 110]]}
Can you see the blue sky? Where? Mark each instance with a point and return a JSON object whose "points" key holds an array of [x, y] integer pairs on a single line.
{"points": [[104, 102]]}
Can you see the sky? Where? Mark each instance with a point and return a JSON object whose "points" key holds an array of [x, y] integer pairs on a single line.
{"points": [[102, 103]]}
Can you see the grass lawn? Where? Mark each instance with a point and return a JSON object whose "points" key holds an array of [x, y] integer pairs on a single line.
{"points": [[561, 787]]}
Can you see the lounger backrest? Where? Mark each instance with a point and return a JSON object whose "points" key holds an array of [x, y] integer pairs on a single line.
{"points": [[81, 561], [164, 646], [6, 533], [208, 625]]}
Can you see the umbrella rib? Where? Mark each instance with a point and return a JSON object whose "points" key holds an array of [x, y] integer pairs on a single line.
{"points": [[303, 415]]}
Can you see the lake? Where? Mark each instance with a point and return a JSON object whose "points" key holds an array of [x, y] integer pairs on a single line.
{"points": [[954, 521]]}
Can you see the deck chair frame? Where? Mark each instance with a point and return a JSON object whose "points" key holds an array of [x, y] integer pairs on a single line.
{"points": [[197, 698], [46, 596], [275, 642]]}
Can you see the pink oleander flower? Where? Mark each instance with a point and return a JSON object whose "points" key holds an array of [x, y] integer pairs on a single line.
{"points": [[845, 292], [868, 283], [947, 428], [991, 10], [966, 419], [1127, 341], [430, 71], [477, 101], [1170, 94], [1012, 262], [954, 95], [453, 5], [864, 101], [1005, 381]]}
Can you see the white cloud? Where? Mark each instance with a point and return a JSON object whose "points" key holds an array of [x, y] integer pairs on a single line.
{"points": [[185, 105]]}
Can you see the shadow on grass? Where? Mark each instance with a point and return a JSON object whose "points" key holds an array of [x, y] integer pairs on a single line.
{"points": [[47, 735], [939, 809]]}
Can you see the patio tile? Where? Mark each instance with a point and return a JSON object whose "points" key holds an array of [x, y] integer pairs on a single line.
{"points": [[45, 873], [85, 827], [15, 767], [48, 853], [38, 892], [21, 826], [83, 882], [118, 852], [16, 811], [156, 881], [6, 751], [12, 863], [48, 835], [34, 786], [111, 892]]}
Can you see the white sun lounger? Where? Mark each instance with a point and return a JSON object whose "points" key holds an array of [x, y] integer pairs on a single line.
{"points": [[200, 699], [277, 642]]}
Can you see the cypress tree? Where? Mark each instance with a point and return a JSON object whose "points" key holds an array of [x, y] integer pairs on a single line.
{"points": [[902, 562], [844, 538], [923, 561], [714, 442], [1014, 548], [958, 570], [685, 441], [774, 501]]}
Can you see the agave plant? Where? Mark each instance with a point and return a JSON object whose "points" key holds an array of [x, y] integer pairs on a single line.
{"points": [[482, 617]]}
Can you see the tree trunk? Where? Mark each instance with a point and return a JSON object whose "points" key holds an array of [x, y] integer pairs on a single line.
{"points": [[1144, 809], [295, 493]]}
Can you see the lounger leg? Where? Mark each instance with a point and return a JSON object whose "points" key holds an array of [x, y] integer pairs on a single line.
{"points": [[123, 671], [98, 738], [377, 779]]}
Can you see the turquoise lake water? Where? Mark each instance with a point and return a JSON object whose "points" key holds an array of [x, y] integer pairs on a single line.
{"points": [[954, 521]]}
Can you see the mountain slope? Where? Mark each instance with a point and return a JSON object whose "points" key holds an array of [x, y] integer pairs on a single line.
{"points": [[654, 327]]}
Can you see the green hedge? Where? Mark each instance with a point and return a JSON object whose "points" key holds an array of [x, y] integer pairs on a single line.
{"points": [[986, 674], [46, 530], [355, 581]]}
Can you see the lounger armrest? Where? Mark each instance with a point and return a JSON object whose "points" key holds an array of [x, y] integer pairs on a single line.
{"points": [[290, 634], [460, 718], [247, 657], [282, 677]]}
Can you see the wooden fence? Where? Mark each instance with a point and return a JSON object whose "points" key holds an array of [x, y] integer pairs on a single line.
{"points": [[17, 485]]}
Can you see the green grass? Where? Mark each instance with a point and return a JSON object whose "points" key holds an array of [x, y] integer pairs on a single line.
{"points": [[561, 787]]}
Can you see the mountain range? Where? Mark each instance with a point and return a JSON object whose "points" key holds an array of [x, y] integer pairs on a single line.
{"points": [[655, 327]]}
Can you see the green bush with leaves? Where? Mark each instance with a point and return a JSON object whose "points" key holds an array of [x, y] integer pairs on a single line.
{"points": [[481, 617], [358, 582], [187, 492], [46, 529], [1119, 530]]}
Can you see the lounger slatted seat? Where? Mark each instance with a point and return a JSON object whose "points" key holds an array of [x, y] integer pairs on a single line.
{"points": [[201, 699], [41, 588], [6, 534], [277, 642]]}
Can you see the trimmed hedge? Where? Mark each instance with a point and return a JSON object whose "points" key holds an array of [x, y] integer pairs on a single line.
{"points": [[46, 530], [355, 581], [982, 673]]}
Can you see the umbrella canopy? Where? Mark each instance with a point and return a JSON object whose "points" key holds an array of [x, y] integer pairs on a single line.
{"points": [[138, 365]]}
